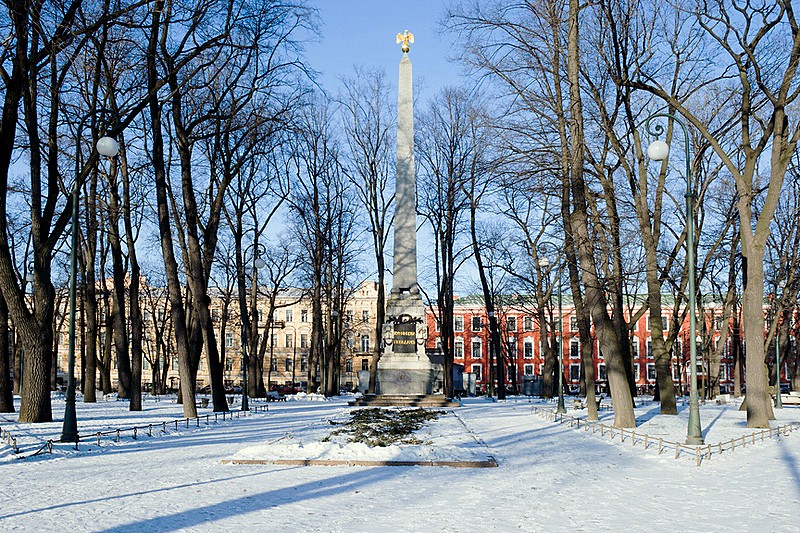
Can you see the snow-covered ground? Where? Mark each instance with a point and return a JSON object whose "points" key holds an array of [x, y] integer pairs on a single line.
{"points": [[550, 477]]}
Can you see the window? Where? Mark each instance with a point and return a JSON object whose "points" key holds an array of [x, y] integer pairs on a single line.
{"points": [[288, 364], [635, 346], [636, 372], [635, 325], [304, 364], [161, 314], [273, 365], [229, 339], [365, 315], [289, 340], [574, 348], [365, 364], [511, 323], [476, 323], [304, 315], [664, 323], [677, 349], [145, 363], [458, 351], [348, 365], [476, 369], [717, 323], [228, 364], [528, 369], [511, 370], [458, 323], [649, 348], [527, 323], [573, 323], [512, 347], [476, 348], [304, 340], [364, 343], [651, 372], [602, 373], [273, 339], [676, 373], [174, 362], [574, 372], [528, 349], [289, 314], [215, 315]]}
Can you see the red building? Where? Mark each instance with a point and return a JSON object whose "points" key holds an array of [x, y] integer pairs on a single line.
{"points": [[523, 350]]}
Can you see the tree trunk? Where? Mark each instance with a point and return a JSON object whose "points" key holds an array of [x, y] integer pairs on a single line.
{"points": [[6, 383], [167, 247], [35, 405], [759, 403], [595, 298]]}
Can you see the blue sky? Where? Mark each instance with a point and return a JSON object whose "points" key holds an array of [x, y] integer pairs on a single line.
{"points": [[362, 32]]}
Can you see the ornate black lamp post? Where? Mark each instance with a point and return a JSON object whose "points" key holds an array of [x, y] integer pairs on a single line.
{"points": [[658, 151], [108, 147], [544, 262]]}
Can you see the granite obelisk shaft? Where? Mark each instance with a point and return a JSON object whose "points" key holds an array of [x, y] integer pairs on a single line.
{"points": [[405, 220], [405, 368]]}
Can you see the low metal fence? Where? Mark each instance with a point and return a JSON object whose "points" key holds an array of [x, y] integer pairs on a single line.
{"points": [[116, 434], [698, 453]]}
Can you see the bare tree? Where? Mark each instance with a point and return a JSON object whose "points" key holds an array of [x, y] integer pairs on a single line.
{"points": [[741, 45], [368, 127], [445, 151]]}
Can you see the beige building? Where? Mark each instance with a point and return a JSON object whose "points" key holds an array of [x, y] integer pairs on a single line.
{"points": [[287, 344]]}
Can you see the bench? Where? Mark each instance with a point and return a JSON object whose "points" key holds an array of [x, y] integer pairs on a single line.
{"points": [[578, 404], [793, 398], [275, 396]]}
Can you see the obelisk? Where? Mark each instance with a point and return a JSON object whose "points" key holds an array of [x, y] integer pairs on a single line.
{"points": [[404, 368]]}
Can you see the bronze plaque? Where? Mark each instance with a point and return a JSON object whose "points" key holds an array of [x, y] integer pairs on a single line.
{"points": [[405, 337]]}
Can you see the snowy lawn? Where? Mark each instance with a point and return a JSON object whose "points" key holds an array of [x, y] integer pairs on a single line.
{"points": [[550, 477]]}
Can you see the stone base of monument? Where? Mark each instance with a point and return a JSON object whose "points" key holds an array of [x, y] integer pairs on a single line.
{"points": [[405, 400], [399, 377]]}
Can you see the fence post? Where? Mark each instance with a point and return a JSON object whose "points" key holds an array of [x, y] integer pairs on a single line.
{"points": [[118, 435], [697, 454], [660, 445], [677, 449], [134, 432]]}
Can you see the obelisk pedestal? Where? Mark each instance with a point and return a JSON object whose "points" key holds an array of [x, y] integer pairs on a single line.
{"points": [[404, 368]]}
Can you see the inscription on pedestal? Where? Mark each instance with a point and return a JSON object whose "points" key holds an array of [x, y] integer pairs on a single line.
{"points": [[405, 337]]}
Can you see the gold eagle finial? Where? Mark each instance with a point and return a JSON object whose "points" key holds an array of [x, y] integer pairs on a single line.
{"points": [[405, 38]]}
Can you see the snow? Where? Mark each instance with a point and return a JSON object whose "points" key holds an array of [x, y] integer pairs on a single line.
{"points": [[550, 476]]}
